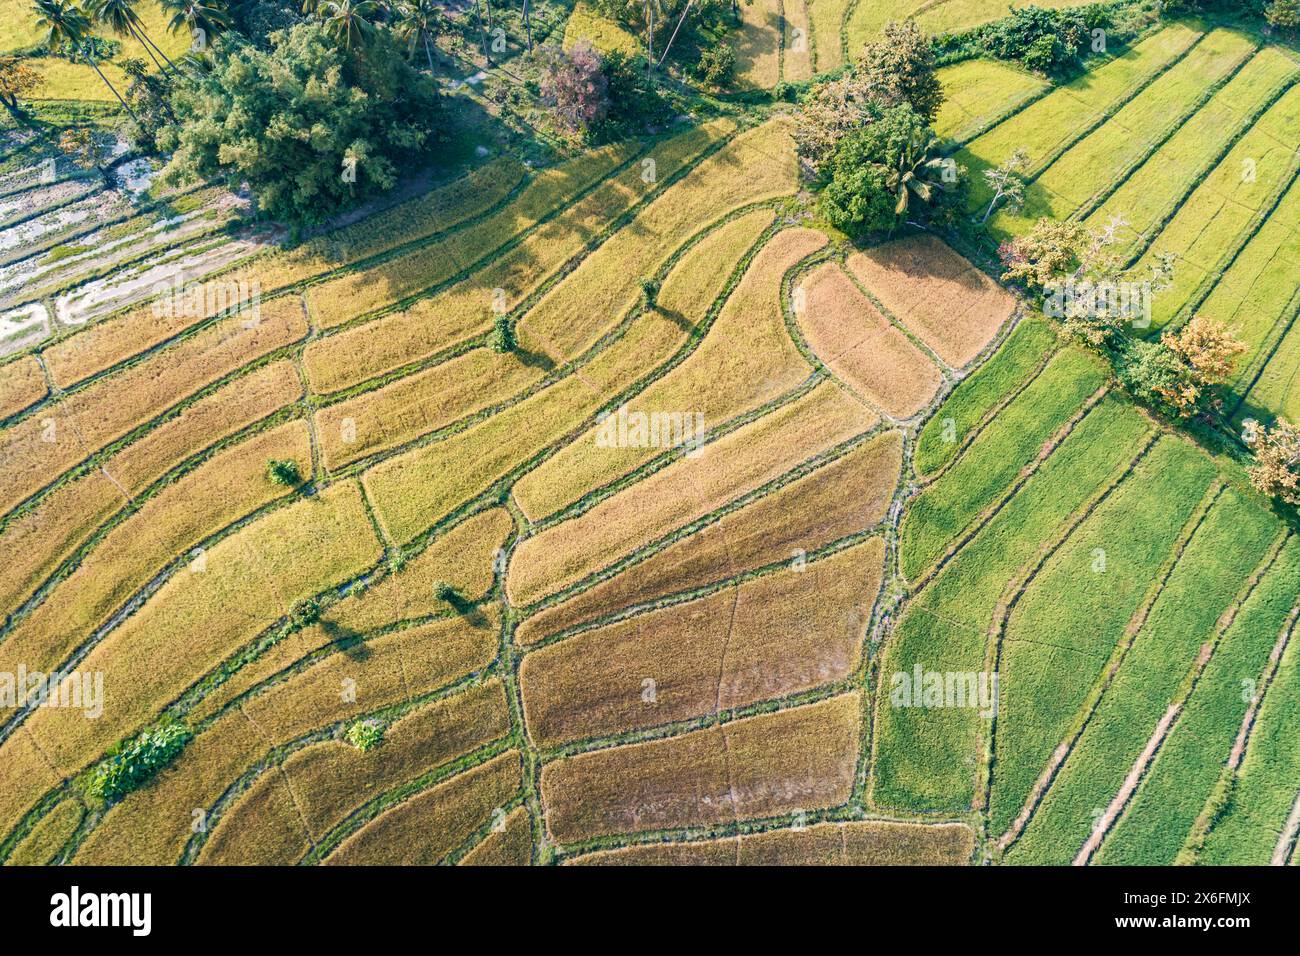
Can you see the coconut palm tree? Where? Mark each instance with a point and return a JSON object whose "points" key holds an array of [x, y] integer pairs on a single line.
{"points": [[419, 22], [210, 16], [349, 21], [909, 178], [120, 17], [64, 23]]}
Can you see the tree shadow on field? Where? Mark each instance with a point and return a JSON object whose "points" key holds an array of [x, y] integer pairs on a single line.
{"points": [[534, 359], [349, 642], [676, 318]]}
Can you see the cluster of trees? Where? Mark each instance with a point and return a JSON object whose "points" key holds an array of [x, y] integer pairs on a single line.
{"points": [[1181, 373], [866, 142], [598, 97]]}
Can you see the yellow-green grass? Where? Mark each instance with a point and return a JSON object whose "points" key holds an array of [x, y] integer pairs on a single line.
{"points": [[410, 407], [28, 774], [1048, 124], [63, 80], [861, 347], [924, 758], [1218, 213], [1012, 440], [1226, 195], [48, 836], [395, 668], [1187, 767], [1106, 567], [720, 380], [462, 558], [264, 828], [22, 384], [803, 758], [758, 45], [38, 449], [433, 212], [1166, 651], [414, 490], [221, 490], [686, 490], [33, 543], [250, 579], [216, 416], [1263, 791], [509, 844], [1276, 392], [772, 636], [945, 301], [702, 273], [337, 300], [757, 165], [600, 31], [825, 17], [390, 669], [1103, 156], [846, 497], [866, 843], [797, 54], [424, 829], [976, 92], [975, 397], [329, 779], [468, 307]]}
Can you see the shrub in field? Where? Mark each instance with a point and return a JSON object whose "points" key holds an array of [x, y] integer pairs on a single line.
{"points": [[1178, 371], [17, 80], [635, 99], [304, 613], [503, 335], [365, 734], [283, 472], [1276, 471], [1045, 41], [343, 121], [133, 763], [649, 291]]}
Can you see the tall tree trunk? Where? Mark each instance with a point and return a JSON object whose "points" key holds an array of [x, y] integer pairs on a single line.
{"points": [[528, 25], [650, 37], [112, 89], [428, 53], [144, 38]]}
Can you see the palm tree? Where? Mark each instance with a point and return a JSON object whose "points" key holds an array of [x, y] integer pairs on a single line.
{"points": [[909, 177], [210, 16], [651, 8], [418, 23], [349, 20], [120, 17], [64, 23]]}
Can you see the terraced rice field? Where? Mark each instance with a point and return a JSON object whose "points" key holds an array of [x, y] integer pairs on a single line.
{"points": [[718, 576]]}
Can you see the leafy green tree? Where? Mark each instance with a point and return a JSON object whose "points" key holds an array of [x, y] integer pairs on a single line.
{"points": [[311, 128], [62, 23], [1283, 14], [899, 68], [830, 112], [902, 149]]}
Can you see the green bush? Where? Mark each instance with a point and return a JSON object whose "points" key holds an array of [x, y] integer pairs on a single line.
{"points": [[365, 734], [503, 335], [133, 763], [283, 471]]}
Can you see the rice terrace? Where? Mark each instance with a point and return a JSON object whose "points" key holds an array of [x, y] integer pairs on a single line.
{"points": [[627, 432]]}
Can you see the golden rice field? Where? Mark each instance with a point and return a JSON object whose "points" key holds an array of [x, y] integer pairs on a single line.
{"points": [[715, 575]]}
